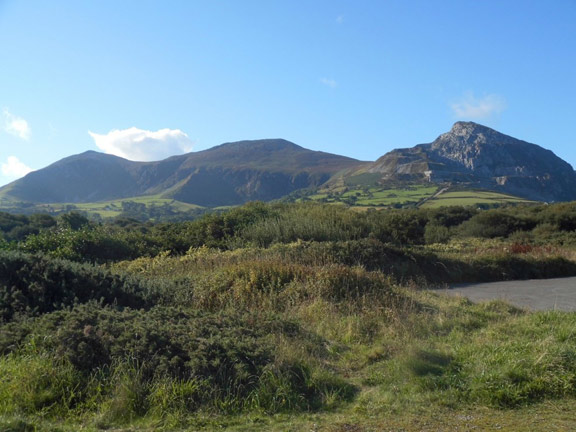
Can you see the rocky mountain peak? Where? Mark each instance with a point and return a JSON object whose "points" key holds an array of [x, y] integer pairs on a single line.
{"points": [[486, 152], [470, 134], [464, 128], [477, 156]]}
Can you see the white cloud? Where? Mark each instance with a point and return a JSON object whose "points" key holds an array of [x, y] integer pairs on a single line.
{"points": [[339, 19], [14, 168], [143, 145], [329, 82], [471, 107], [15, 125]]}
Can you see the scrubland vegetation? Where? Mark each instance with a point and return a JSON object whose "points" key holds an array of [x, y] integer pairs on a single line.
{"points": [[283, 317]]}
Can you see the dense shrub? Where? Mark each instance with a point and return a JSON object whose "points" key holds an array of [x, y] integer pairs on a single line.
{"points": [[436, 233], [18, 227], [36, 284], [226, 360], [217, 347], [86, 244], [494, 223], [403, 227], [451, 216]]}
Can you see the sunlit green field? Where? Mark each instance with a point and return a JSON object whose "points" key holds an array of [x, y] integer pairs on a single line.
{"points": [[466, 198], [415, 195], [376, 196], [109, 209]]}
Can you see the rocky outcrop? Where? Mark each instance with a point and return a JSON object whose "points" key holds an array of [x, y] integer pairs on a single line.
{"points": [[475, 155]]}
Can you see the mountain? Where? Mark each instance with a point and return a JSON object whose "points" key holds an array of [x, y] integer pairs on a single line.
{"points": [[469, 156], [473, 155], [229, 174]]}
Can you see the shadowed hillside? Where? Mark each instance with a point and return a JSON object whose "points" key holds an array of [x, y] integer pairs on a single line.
{"points": [[228, 174]]}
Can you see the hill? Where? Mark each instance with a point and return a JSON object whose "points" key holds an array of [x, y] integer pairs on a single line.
{"points": [[229, 174]]}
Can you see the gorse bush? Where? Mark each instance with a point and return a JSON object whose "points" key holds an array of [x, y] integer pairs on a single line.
{"points": [[86, 244], [34, 284], [217, 347], [18, 227], [225, 362]]}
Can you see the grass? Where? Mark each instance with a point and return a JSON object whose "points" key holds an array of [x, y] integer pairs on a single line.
{"points": [[108, 209], [375, 196], [327, 334], [413, 195], [363, 198], [471, 198], [553, 416], [442, 364]]}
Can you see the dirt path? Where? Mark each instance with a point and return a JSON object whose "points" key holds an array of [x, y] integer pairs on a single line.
{"points": [[542, 294]]}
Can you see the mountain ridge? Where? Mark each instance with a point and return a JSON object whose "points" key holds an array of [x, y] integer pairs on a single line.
{"points": [[228, 174], [470, 154]]}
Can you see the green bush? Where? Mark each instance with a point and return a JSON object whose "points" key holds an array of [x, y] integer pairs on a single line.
{"points": [[85, 244], [436, 233], [35, 284], [135, 359], [18, 227], [494, 223]]}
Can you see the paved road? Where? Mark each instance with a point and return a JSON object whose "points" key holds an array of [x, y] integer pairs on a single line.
{"points": [[542, 294]]}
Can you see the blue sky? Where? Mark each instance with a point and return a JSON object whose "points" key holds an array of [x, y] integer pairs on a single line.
{"points": [[148, 79]]}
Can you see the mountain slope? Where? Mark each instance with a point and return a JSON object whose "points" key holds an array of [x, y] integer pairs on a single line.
{"points": [[228, 174], [469, 155], [86, 177], [250, 170], [477, 156]]}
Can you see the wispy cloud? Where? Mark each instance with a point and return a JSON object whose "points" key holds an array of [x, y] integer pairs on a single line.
{"points": [[329, 82], [13, 168], [15, 125], [339, 19], [472, 107], [143, 145]]}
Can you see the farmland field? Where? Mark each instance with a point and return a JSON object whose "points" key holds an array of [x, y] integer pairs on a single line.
{"points": [[472, 197], [110, 209], [375, 196]]}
